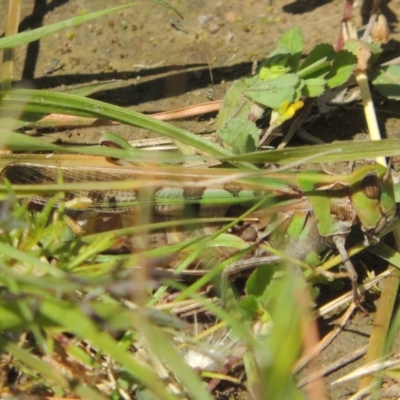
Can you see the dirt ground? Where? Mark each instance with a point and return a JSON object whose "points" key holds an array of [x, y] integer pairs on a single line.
{"points": [[156, 62]]}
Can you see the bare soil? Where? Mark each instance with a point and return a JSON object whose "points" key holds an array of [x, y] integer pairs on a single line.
{"points": [[156, 62]]}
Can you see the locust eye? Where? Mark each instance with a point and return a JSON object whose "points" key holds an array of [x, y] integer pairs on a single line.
{"points": [[371, 186]]}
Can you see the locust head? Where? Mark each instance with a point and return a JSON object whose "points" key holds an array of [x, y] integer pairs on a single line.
{"points": [[372, 194]]}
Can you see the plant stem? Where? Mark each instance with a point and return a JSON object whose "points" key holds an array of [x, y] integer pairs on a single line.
{"points": [[14, 10], [369, 111]]}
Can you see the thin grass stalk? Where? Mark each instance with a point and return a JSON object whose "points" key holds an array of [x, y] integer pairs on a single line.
{"points": [[14, 11]]}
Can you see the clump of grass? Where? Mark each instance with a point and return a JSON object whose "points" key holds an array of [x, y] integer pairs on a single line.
{"points": [[79, 321]]}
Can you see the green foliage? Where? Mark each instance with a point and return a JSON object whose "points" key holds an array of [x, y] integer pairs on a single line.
{"points": [[269, 365], [387, 81], [342, 67], [281, 79], [292, 40], [233, 119], [272, 93], [96, 308]]}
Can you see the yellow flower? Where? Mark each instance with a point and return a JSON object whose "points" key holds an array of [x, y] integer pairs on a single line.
{"points": [[286, 111]]}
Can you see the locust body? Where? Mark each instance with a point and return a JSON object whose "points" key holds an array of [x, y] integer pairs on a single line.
{"points": [[298, 213]]}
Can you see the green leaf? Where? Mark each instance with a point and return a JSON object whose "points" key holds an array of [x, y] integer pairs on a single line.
{"points": [[293, 40], [317, 70], [234, 101], [274, 65], [299, 89], [387, 81], [318, 62], [275, 71], [259, 280], [343, 66], [321, 53], [314, 87], [227, 240], [249, 306], [240, 135], [274, 92], [387, 253], [365, 52]]}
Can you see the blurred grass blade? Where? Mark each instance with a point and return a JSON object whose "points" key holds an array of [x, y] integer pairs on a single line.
{"points": [[46, 102], [333, 152], [73, 320], [36, 34], [87, 90]]}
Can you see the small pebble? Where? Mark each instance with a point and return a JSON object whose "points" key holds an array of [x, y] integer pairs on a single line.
{"points": [[202, 19], [213, 27], [230, 16]]}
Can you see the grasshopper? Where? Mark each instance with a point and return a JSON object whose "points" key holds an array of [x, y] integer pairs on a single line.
{"points": [[299, 213]]}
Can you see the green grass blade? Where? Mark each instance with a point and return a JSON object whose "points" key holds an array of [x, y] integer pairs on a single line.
{"points": [[36, 34], [343, 151], [46, 102]]}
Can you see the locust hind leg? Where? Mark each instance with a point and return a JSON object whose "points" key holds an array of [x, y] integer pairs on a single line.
{"points": [[339, 241]]}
